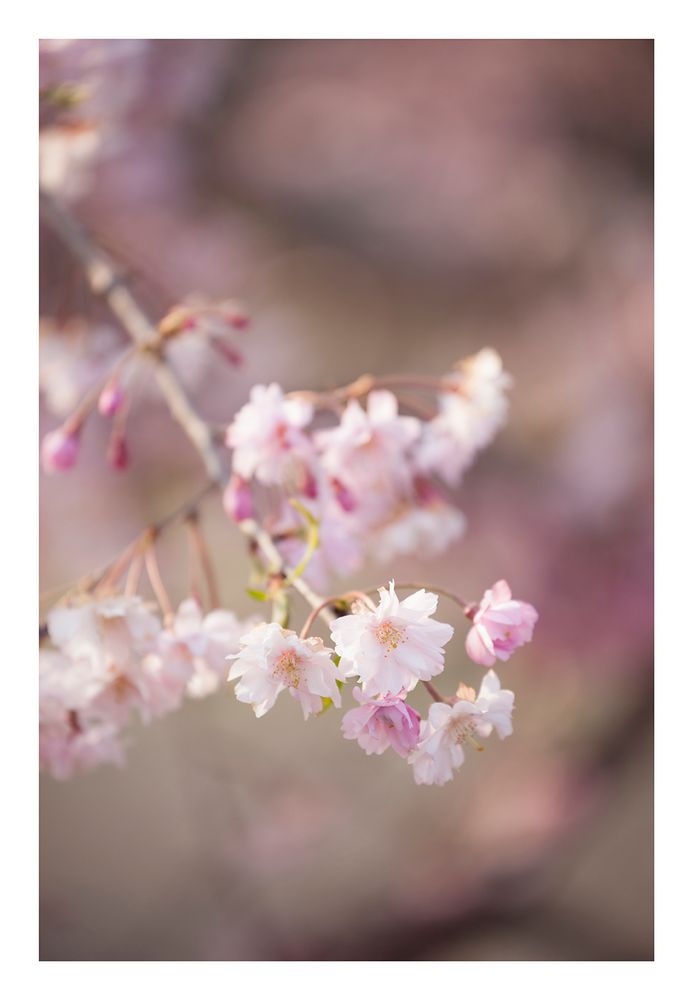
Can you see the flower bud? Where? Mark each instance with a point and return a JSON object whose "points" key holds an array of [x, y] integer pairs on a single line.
{"points": [[238, 499], [229, 353], [112, 398], [117, 454], [59, 450]]}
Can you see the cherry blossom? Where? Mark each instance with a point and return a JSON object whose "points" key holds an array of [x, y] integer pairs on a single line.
{"points": [[72, 737], [267, 436], [394, 646], [367, 454], [501, 625], [273, 659], [195, 647], [382, 722], [112, 636], [449, 727], [469, 417]]}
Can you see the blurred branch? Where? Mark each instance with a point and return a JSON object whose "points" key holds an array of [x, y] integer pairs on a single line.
{"points": [[107, 283]]}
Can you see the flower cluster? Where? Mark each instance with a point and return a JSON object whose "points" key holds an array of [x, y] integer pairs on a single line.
{"points": [[113, 660], [388, 650], [370, 480]]}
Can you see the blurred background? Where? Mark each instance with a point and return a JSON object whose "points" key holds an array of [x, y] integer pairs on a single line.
{"points": [[377, 206]]}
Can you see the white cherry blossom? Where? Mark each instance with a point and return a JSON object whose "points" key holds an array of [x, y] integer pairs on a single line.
{"points": [[273, 659], [394, 646], [450, 727]]}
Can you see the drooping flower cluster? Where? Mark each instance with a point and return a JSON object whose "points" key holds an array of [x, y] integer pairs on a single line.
{"points": [[369, 480], [388, 649], [112, 660]]}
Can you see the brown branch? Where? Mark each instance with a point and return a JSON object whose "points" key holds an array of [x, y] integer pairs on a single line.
{"points": [[105, 282]]}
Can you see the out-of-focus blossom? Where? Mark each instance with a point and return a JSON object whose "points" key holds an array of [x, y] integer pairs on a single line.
{"points": [[395, 646], [381, 723], [237, 499], [113, 636], [267, 436], [368, 454], [59, 450], [501, 625], [469, 417], [273, 659], [199, 645], [71, 738], [429, 526], [87, 87], [449, 727]]}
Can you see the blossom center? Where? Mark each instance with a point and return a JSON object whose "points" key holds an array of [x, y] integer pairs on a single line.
{"points": [[462, 731], [389, 636], [287, 668]]}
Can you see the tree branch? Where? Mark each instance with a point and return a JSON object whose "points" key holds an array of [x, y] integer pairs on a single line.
{"points": [[106, 283]]}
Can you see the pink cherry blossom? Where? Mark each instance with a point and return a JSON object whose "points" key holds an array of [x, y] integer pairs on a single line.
{"points": [[449, 727], [273, 659], [395, 646], [501, 626], [368, 454], [267, 436], [72, 737], [382, 722], [468, 418], [196, 646], [112, 637]]}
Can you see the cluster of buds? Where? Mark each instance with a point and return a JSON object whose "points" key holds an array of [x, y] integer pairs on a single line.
{"points": [[205, 324], [216, 323], [389, 650]]}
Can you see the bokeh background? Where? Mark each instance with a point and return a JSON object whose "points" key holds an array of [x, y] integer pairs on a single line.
{"points": [[378, 206]]}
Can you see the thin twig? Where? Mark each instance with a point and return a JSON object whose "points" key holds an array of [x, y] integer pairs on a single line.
{"points": [[104, 281]]}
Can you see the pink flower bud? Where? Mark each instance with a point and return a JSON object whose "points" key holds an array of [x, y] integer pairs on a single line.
{"points": [[111, 399], [59, 450], [345, 498], [117, 455], [234, 357], [238, 499]]}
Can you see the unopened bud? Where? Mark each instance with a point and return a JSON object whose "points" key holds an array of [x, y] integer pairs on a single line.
{"points": [[112, 398], [117, 455], [238, 499], [228, 352], [59, 450]]}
